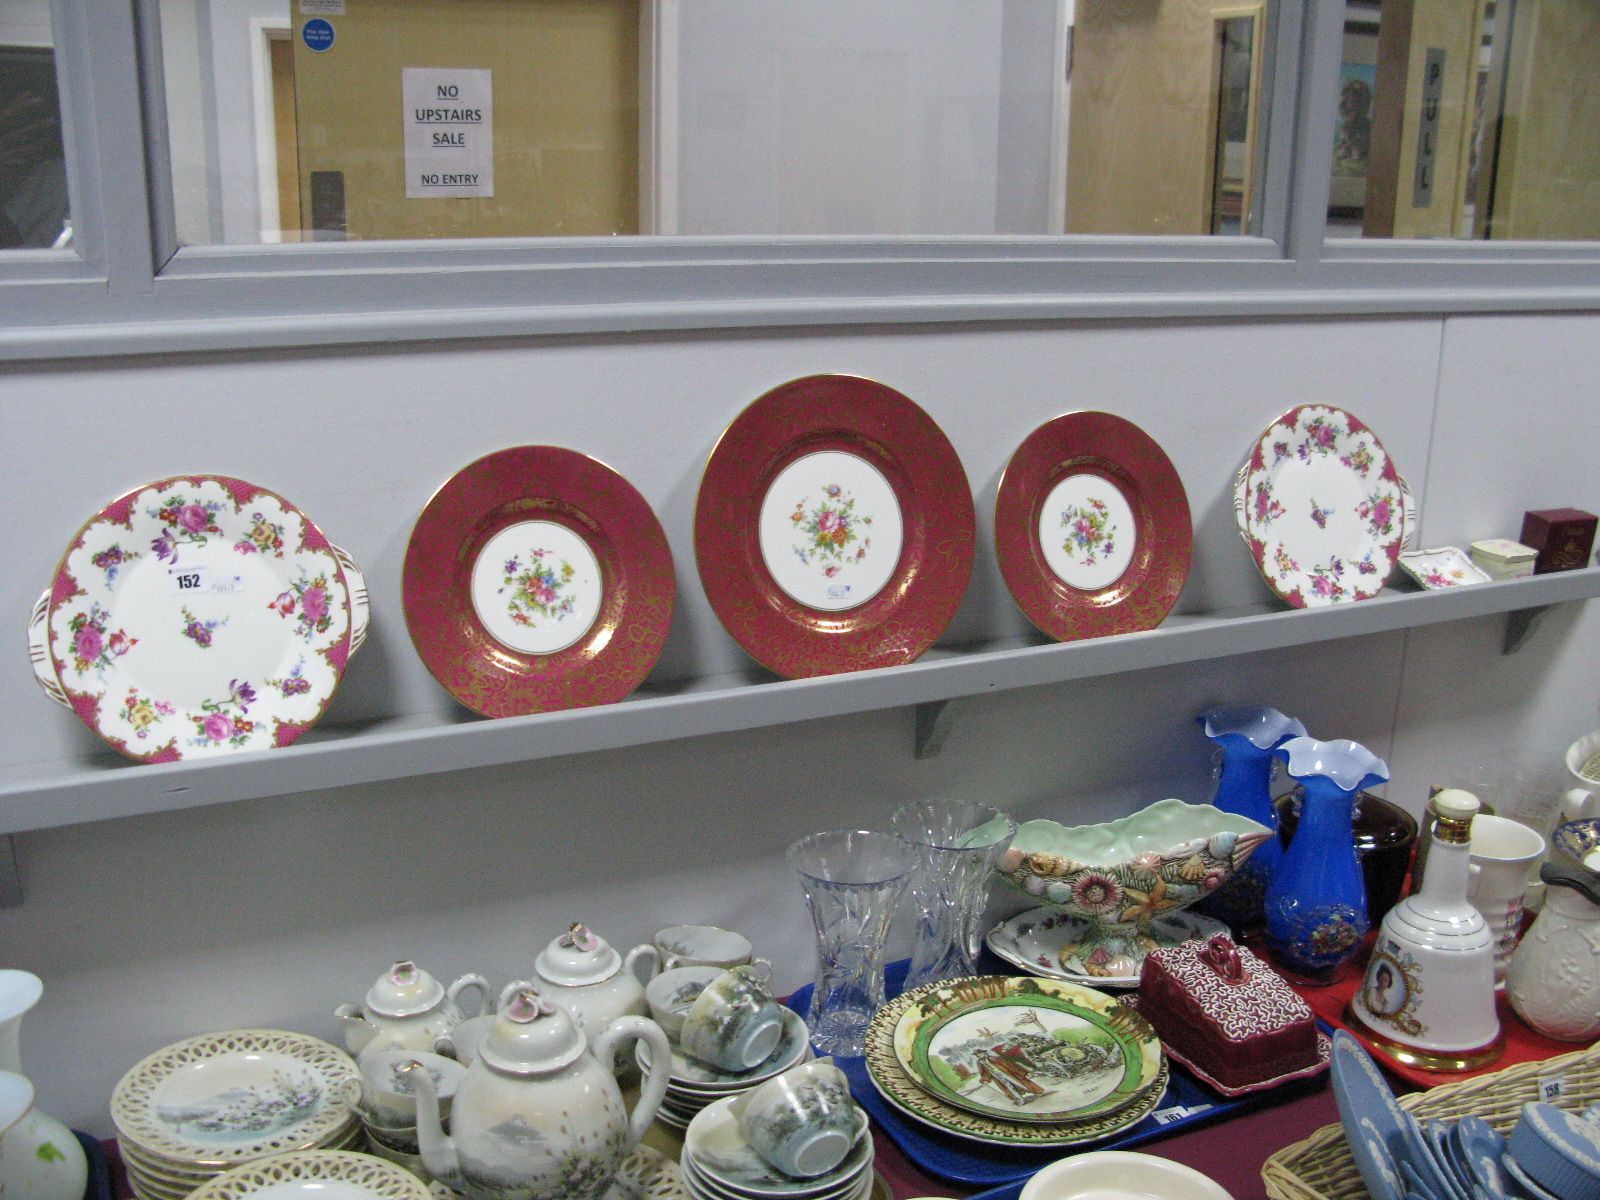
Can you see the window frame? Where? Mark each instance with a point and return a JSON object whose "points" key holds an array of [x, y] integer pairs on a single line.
{"points": [[126, 288]]}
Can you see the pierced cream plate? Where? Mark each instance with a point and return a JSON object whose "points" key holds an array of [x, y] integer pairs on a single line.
{"points": [[1322, 508], [646, 1174], [225, 1098], [323, 1174], [198, 615]]}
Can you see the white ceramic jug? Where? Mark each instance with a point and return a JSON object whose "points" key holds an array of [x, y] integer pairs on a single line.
{"points": [[537, 1116], [1554, 981], [40, 1159]]}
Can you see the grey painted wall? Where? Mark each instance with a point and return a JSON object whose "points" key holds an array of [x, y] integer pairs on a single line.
{"points": [[272, 912]]}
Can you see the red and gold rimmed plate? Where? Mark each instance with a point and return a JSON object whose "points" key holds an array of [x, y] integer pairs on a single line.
{"points": [[1322, 508], [196, 616], [538, 579], [834, 528], [1091, 527]]}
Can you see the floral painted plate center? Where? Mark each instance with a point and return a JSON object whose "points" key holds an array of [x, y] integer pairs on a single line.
{"points": [[831, 530], [536, 586], [1087, 531]]}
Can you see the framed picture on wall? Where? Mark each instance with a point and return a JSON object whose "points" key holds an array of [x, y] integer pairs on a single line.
{"points": [[1352, 142]]}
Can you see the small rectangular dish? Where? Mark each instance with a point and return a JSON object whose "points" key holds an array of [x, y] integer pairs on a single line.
{"points": [[1444, 567]]}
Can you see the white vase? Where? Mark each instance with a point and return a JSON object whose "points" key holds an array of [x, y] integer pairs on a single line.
{"points": [[19, 991], [40, 1158]]}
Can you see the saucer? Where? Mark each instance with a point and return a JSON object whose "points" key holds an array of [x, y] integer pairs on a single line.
{"points": [[1034, 941], [714, 1144], [690, 1075]]}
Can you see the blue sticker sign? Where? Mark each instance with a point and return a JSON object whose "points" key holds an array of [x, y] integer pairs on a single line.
{"points": [[317, 34]]}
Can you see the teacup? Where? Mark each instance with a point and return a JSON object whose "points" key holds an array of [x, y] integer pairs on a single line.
{"points": [[704, 946], [672, 994], [734, 1023], [385, 1097], [803, 1121]]}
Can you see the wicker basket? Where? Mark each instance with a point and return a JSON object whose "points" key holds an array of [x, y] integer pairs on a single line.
{"points": [[1320, 1168]]}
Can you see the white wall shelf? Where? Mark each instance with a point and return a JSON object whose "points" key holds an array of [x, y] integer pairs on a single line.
{"points": [[43, 795]]}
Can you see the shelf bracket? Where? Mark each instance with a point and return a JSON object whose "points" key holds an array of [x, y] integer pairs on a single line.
{"points": [[1519, 624], [10, 880], [933, 726]]}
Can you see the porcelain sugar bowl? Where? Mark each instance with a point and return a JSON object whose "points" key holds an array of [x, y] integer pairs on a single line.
{"points": [[406, 1009], [539, 1115], [582, 973]]}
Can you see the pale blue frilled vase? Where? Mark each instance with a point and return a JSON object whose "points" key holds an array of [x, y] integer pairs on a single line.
{"points": [[1317, 901], [1247, 738]]}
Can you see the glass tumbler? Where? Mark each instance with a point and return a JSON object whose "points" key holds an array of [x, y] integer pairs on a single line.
{"points": [[852, 880], [959, 843]]}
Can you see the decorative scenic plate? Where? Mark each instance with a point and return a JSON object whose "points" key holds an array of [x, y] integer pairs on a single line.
{"points": [[1026, 1049], [538, 579], [834, 528], [901, 1092], [1092, 528], [1446, 567], [323, 1174], [224, 1098], [1034, 941], [196, 616], [1322, 508]]}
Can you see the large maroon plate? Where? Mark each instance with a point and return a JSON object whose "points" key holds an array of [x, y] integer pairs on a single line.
{"points": [[537, 579], [834, 528], [1092, 528]]}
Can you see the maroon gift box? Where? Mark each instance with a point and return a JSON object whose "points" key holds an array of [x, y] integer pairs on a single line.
{"points": [[1562, 536]]}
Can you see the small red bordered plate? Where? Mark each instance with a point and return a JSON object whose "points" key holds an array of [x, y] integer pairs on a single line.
{"points": [[538, 579], [834, 528], [1091, 527]]}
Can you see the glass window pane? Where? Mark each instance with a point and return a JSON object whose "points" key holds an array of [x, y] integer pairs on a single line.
{"points": [[1469, 119], [387, 119], [33, 169]]}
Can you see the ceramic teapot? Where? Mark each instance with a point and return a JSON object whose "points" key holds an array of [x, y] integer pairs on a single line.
{"points": [[596, 985], [406, 1009], [539, 1116]]}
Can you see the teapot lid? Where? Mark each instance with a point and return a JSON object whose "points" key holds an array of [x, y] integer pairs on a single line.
{"points": [[576, 958], [404, 990], [532, 1035]]}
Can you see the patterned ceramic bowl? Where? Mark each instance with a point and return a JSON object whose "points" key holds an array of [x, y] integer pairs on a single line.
{"points": [[1118, 878], [1578, 840]]}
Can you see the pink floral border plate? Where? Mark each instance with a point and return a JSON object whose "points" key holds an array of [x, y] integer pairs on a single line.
{"points": [[889, 433], [1322, 508], [197, 615], [602, 511]]}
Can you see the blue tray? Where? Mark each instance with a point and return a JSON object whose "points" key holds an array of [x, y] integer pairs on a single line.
{"points": [[1187, 1103]]}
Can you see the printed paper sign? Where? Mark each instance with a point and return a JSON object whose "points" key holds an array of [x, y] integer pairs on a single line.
{"points": [[322, 8], [449, 132]]}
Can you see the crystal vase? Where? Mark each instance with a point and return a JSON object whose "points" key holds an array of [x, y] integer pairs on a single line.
{"points": [[853, 879], [959, 844], [1316, 903]]}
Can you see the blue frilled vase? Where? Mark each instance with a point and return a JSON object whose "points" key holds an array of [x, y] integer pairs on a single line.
{"points": [[1316, 904], [1247, 738]]}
